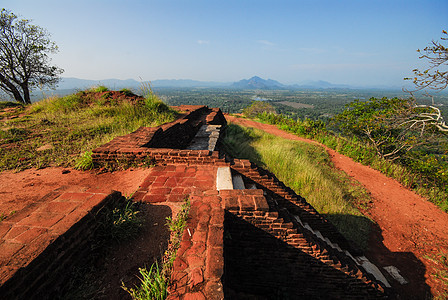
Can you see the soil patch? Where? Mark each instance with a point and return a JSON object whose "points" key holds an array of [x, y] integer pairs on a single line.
{"points": [[120, 264], [19, 190], [410, 230]]}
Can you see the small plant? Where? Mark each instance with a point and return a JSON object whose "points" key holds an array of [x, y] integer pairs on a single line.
{"points": [[126, 221], [127, 92], [100, 89], [155, 281], [153, 284], [85, 161]]}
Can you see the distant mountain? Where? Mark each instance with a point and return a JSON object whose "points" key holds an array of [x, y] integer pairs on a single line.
{"points": [[186, 83], [320, 84], [257, 83], [254, 83]]}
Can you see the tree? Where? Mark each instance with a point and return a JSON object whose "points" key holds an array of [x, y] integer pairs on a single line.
{"points": [[258, 107], [392, 126], [24, 61], [436, 76]]}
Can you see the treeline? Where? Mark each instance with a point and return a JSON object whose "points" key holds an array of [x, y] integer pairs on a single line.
{"points": [[419, 158]]}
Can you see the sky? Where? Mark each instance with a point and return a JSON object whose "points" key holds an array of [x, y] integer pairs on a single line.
{"points": [[358, 42]]}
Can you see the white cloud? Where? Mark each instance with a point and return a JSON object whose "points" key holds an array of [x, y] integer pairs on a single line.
{"points": [[312, 50], [203, 42], [266, 43]]}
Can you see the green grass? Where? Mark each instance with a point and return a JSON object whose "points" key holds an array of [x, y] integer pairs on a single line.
{"points": [[307, 169], [70, 126], [441, 273], [428, 177], [155, 281]]}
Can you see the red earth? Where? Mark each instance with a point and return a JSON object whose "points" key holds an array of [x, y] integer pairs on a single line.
{"points": [[410, 232]]}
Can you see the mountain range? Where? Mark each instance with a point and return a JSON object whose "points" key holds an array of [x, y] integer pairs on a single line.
{"points": [[254, 83]]}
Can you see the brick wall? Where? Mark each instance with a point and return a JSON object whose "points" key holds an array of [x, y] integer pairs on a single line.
{"points": [[51, 240], [163, 144]]}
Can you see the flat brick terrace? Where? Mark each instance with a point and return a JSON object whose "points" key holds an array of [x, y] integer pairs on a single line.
{"points": [[39, 242]]}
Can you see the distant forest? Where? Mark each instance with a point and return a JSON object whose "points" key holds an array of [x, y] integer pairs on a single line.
{"points": [[317, 104]]}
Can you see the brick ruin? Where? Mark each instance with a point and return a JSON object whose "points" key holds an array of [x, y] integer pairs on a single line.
{"points": [[248, 235]]}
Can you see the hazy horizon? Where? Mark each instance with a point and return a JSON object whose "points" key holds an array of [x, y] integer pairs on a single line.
{"points": [[360, 43]]}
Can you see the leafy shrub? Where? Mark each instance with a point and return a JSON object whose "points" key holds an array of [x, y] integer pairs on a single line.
{"points": [[85, 161], [258, 107]]}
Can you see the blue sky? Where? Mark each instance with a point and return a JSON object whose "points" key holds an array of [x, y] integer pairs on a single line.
{"points": [[365, 43]]}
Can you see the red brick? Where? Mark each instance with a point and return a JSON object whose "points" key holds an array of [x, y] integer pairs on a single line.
{"points": [[161, 179], [214, 264], [170, 167], [178, 190], [194, 296], [231, 203], [194, 261], [214, 290], [196, 249], [160, 190], [59, 207], [217, 217], [246, 203], [215, 236], [15, 231], [41, 219], [156, 184], [179, 265], [75, 197], [138, 196], [184, 246], [191, 169], [181, 168], [171, 182], [256, 192], [95, 201], [4, 228], [260, 203], [179, 282], [175, 198], [196, 277], [154, 198], [204, 184], [211, 193], [31, 234], [8, 249], [67, 222], [199, 236]]}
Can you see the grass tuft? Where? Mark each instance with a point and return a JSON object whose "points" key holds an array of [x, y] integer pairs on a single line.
{"points": [[85, 161], [155, 281]]}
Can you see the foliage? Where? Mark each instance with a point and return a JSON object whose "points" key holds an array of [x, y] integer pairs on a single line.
{"points": [[392, 126], [258, 107], [24, 61], [99, 89], [79, 123], [155, 281], [85, 161], [436, 75], [424, 169], [306, 168], [154, 285], [126, 221], [307, 128]]}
